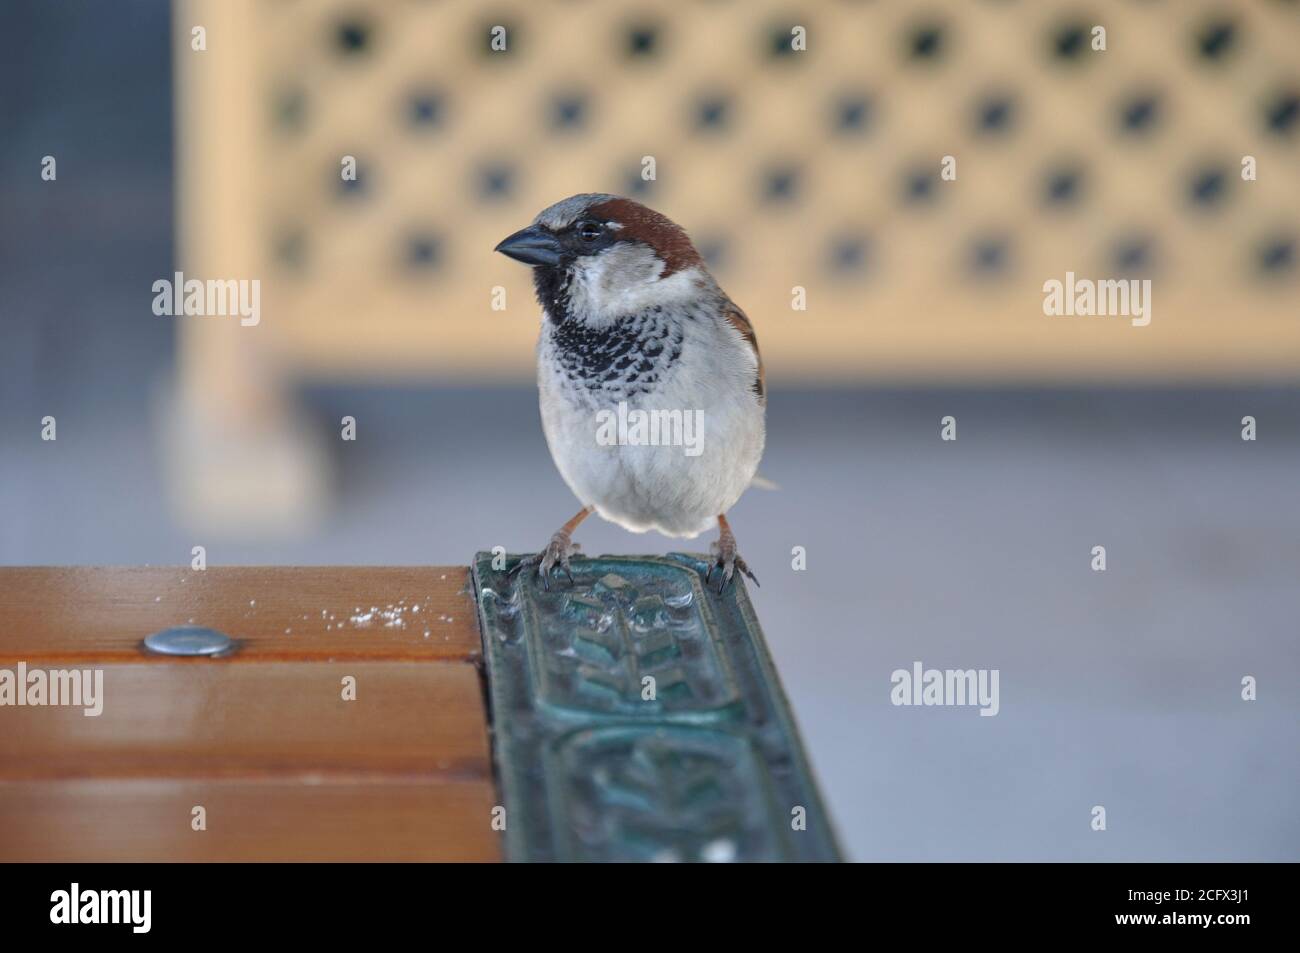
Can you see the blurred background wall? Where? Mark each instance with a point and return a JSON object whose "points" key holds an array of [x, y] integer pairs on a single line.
{"points": [[816, 168]]}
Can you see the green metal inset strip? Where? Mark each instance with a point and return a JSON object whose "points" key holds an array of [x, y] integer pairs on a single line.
{"points": [[636, 715]]}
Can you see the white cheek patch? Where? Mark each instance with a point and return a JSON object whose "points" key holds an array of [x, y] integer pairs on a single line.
{"points": [[623, 280]]}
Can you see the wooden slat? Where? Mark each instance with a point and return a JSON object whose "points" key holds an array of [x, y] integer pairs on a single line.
{"points": [[262, 738], [276, 613], [215, 719], [149, 820]]}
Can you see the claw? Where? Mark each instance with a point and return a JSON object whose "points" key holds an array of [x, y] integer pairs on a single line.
{"points": [[726, 559], [555, 554], [726, 569]]}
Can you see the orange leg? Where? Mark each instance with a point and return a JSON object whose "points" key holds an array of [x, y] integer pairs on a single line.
{"points": [[728, 559], [558, 551]]}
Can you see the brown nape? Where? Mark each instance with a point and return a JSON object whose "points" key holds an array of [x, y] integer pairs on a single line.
{"points": [[642, 224]]}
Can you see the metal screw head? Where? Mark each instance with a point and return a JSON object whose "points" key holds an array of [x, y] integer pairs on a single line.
{"points": [[188, 640]]}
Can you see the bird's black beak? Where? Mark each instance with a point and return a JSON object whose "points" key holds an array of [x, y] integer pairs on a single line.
{"points": [[533, 245]]}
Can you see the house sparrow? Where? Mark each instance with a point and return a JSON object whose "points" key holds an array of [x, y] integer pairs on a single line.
{"points": [[633, 322]]}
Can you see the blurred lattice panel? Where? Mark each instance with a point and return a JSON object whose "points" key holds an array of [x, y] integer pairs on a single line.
{"points": [[817, 168]]}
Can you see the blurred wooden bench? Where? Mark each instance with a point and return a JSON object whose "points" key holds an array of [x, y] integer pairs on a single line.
{"points": [[262, 740], [1123, 163]]}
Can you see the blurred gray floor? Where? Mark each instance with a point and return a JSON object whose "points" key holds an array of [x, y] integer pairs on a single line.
{"points": [[1118, 689]]}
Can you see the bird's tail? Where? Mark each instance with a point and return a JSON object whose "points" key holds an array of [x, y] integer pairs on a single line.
{"points": [[761, 482]]}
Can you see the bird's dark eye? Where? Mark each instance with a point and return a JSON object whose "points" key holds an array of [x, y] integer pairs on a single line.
{"points": [[589, 231]]}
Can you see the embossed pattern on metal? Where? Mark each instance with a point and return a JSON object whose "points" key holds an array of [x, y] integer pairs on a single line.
{"points": [[636, 716]]}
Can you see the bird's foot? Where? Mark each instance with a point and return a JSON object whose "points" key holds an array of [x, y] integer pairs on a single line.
{"points": [[557, 553], [726, 560]]}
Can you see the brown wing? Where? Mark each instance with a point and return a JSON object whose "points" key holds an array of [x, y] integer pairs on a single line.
{"points": [[737, 319]]}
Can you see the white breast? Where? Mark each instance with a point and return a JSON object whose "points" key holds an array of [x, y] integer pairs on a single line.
{"points": [[662, 487]]}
